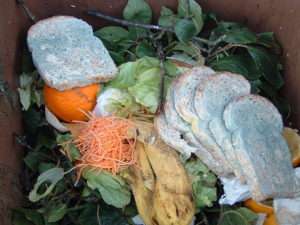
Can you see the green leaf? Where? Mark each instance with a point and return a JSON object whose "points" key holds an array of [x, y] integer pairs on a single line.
{"points": [[267, 65], [65, 141], [138, 10], [51, 176], [89, 213], [25, 98], [184, 58], [144, 49], [26, 80], [20, 219], [185, 30], [112, 34], [33, 159], [138, 33], [187, 48], [240, 216], [203, 183], [113, 189], [33, 119], [56, 213], [38, 97], [255, 86], [240, 36], [267, 39], [233, 33], [146, 89], [43, 167], [282, 105], [240, 64], [167, 17], [195, 10], [171, 69], [126, 76], [147, 63], [107, 215], [118, 57], [27, 64], [31, 215]]}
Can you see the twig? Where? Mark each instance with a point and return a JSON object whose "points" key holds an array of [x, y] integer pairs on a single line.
{"points": [[225, 48], [162, 87], [98, 216], [26, 10], [128, 23], [145, 26], [208, 42], [21, 140]]}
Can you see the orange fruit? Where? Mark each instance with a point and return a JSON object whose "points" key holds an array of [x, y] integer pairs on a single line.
{"points": [[258, 207], [271, 220], [70, 105]]}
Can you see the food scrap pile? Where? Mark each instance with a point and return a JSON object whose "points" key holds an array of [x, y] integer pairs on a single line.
{"points": [[130, 125], [105, 143]]}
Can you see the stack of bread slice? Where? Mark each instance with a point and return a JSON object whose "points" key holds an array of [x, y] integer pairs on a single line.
{"points": [[235, 133]]}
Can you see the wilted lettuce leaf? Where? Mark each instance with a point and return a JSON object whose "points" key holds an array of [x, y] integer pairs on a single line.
{"points": [[203, 183], [114, 191], [116, 102], [146, 89], [126, 76], [141, 79]]}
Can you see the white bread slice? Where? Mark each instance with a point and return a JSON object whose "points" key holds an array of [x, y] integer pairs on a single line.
{"points": [[67, 54], [177, 122], [177, 140], [172, 136], [201, 130], [256, 129], [184, 91], [210, 103]]}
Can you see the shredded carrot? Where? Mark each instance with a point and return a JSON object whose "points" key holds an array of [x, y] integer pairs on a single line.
{"points": [[106, 143]]}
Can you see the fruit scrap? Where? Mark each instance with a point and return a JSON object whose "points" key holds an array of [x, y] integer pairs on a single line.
{"points": [[161, 186], [72, 104], [106, 143]]}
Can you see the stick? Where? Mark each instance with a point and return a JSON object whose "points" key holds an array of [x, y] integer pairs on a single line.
{"points": [[26, 10], [128, 23], [142, 25]]}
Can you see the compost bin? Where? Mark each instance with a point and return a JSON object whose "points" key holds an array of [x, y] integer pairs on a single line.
{"points": [[281, 17]]}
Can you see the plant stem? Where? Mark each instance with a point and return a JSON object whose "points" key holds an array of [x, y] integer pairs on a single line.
{"points": [[128, 23], [223, 49], [26, 10], [145, 26], [189, 8]]}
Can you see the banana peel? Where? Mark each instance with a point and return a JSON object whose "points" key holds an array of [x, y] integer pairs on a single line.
{"points": [[160, 184], [142, 182], [172, 199]]}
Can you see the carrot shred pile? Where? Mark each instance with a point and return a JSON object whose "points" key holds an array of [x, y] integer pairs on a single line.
{"points": [[106, 143]]}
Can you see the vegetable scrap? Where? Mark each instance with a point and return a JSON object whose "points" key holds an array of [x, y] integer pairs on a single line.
{"points": [[106, 143], [162, 112]]}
